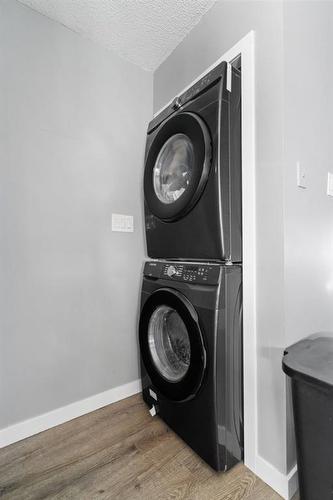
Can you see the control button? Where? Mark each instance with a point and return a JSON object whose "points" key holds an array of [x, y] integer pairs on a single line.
{"points": [[171, 271]]}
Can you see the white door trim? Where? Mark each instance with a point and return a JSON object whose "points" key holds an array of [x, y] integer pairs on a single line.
{"points": [[245, 48]]}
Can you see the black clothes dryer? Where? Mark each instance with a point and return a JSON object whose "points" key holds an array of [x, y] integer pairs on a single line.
{"points": [[190, 335], [192, 178]]}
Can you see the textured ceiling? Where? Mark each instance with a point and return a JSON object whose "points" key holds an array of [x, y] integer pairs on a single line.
{"points": [[144, 32]]}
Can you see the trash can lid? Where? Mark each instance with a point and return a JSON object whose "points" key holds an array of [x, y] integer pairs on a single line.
{"points": [[311, 359]]}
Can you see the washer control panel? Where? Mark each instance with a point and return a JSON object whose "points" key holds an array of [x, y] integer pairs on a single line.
{"points": [[186, 272]]}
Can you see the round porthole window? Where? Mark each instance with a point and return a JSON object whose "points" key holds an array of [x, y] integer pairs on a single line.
{"points": [[177, 166], [173, 168], [169, 343]]}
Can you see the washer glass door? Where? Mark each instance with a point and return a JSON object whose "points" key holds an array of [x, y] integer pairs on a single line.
{"points": [[169, 343]]}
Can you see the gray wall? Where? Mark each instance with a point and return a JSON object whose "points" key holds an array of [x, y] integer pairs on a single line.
{"points": [[72, 135], [308, 28], [224, 25]]}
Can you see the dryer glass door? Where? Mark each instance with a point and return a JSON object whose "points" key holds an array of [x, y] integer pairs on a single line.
{"points": [[173, 168], [177, 166], [171, 344]]}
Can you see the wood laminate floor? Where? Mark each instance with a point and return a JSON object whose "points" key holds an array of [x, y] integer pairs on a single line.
{"points": [[118, 452]]}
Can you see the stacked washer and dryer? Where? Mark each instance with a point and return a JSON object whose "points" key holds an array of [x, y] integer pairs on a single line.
{"points": [[190, 328]]}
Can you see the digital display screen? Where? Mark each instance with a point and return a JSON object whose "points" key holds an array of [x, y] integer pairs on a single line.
{"points": [[191, 268]]}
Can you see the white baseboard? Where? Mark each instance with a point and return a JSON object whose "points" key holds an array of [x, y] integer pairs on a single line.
{"points": [[27, 428], [292, 482], [285, 485]]}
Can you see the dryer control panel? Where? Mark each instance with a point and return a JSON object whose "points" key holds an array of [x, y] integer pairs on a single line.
{"points": [[220, 71], [187, 272]]}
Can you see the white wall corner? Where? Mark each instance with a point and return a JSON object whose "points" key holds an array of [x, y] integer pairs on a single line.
{"points": [[285, 485], [41, 423]]}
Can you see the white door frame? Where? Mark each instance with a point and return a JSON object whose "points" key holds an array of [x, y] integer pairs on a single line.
{"points": [[245, 48]]}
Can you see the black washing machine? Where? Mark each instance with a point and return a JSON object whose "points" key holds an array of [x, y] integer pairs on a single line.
{"points": [[190, 335], [192, 178]]}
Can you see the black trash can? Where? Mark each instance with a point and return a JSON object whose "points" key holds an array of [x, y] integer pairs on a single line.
{"points": [[309, 363]]}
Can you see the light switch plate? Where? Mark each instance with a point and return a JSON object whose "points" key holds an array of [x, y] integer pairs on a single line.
{"points": [[122, 223], [329, 184], [301, 177]]}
